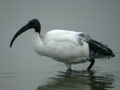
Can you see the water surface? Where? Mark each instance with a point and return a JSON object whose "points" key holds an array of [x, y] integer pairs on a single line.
{"points": [[22, 69]]}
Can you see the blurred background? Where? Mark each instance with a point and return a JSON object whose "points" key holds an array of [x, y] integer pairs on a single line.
{"points": [[22, 69]]}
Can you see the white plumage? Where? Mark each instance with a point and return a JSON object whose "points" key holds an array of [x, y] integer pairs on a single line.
{"points": [[65, 46], [62, 46]]}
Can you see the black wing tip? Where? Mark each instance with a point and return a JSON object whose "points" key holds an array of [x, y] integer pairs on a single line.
{"points": [[100, 50], [113, 55]]}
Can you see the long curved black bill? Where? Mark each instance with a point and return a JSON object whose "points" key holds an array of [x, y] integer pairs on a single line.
{"points": [[23, 29]]}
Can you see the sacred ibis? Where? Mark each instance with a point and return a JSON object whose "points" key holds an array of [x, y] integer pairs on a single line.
{"points": [[65, 46]]}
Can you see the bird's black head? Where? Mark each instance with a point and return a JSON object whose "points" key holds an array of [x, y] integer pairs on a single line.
{"points": [[32, 24]]}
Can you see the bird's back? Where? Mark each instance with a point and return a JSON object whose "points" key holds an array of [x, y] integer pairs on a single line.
{"points": [[62, 35]]}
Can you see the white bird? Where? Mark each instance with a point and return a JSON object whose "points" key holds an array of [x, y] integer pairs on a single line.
{"points": [[65, 46]]}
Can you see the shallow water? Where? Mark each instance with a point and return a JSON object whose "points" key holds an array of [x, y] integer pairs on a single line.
{"points": [[22, 69], [101, 77]]}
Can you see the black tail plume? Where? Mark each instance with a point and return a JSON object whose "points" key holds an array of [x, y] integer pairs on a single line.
{"points": [[99, 50]]}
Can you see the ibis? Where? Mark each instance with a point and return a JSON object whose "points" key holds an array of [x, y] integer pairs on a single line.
{"points": [[68, 47]]}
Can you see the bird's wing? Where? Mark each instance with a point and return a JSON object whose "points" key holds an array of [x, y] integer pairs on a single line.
{"points": [[98, 49], [66, 45], [63, 35]]}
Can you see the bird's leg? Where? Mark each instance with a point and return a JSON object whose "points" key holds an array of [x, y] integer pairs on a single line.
{"points": [[92, 61], [68, 67]]}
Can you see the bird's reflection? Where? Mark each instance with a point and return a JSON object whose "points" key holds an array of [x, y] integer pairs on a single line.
{"points": [[79, 80]]}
